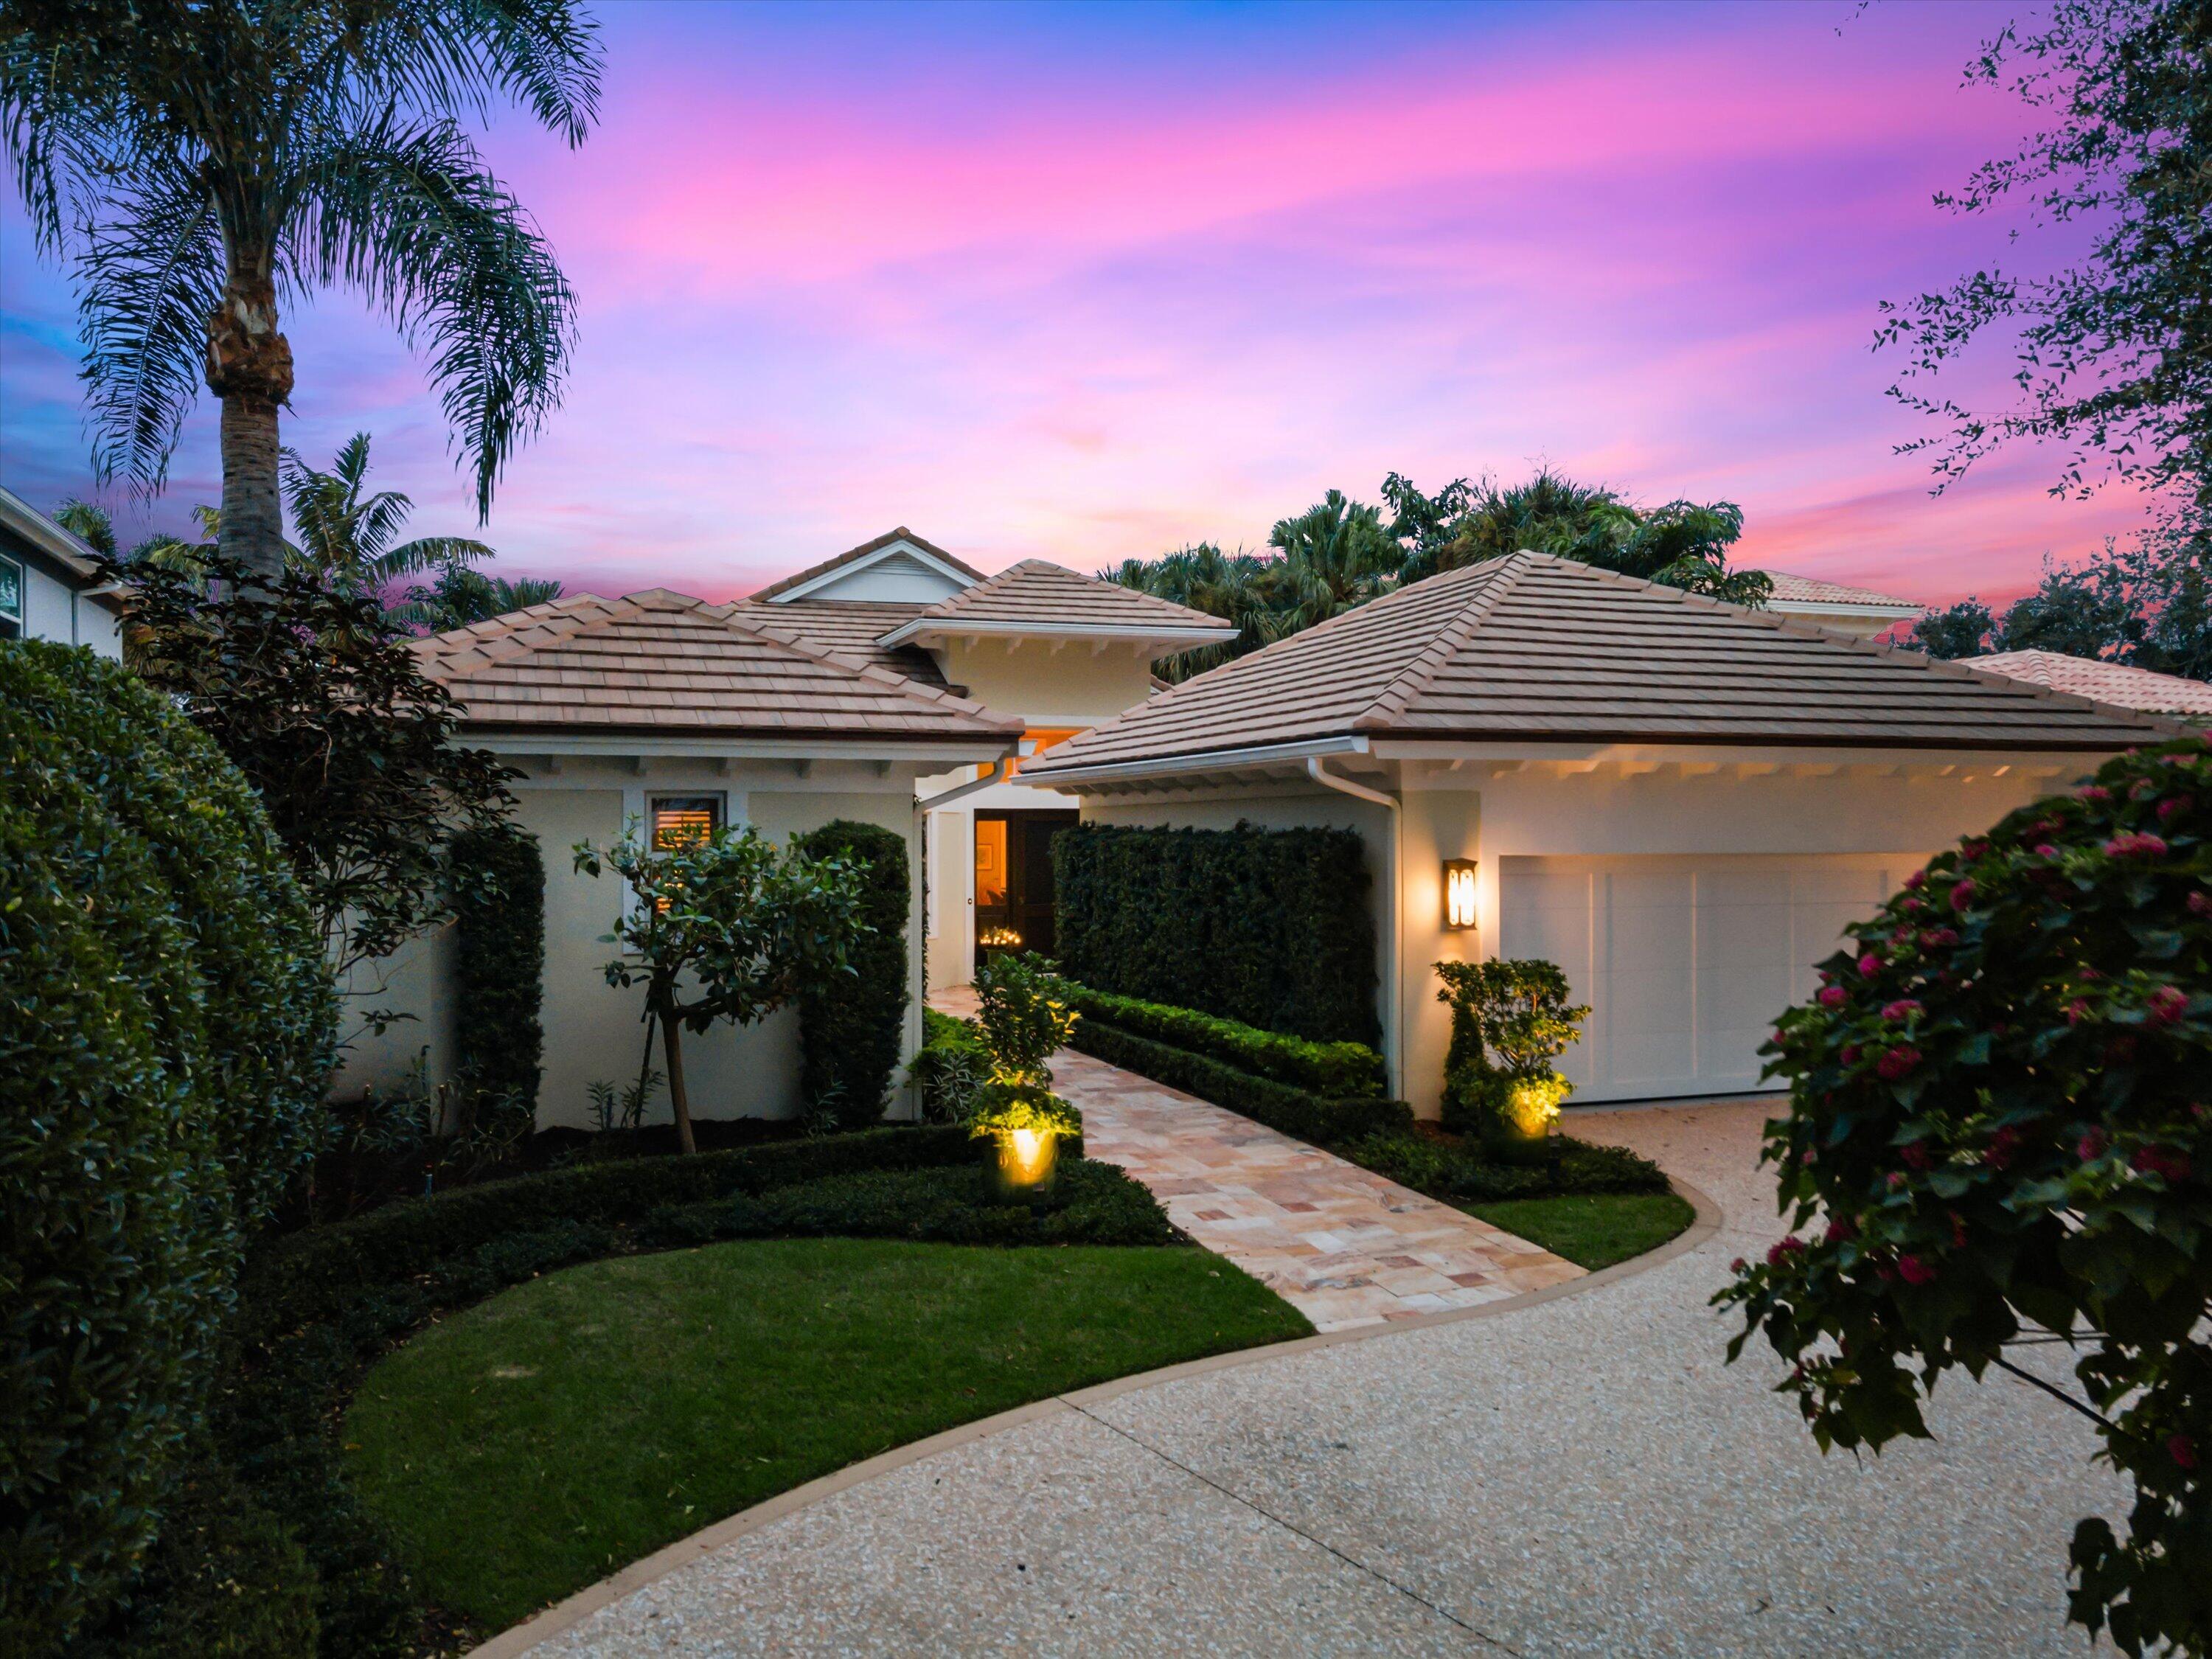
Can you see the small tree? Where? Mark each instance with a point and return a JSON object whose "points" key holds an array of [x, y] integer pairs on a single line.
{"points": [[1024, 1016], [1510, 1020], [1999, 1103], [851, 1025], [723, 926]]}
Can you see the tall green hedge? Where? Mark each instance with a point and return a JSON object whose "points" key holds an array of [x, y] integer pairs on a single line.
{"points": [[849, 1028], [166, 1026], [499, 965], [1268, 927]]}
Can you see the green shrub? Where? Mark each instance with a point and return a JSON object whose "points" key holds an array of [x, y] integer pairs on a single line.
{"points": [[1509, 1021], [952, 1066], [1338, 1069], [1279, 1105], [165, 1031], [1449, 1170], [498, 966], [1269, 928], [1022, 1016], [1999, 1116], [851, 1026]]}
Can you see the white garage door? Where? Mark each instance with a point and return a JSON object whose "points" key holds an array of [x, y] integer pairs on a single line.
{"points": [[1686, 962]]}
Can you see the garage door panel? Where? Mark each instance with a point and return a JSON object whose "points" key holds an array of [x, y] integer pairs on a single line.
{"points": [[1552, 913]]}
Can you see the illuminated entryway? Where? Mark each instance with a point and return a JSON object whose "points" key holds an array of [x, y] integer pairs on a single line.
{"points": [[1013, 879]]}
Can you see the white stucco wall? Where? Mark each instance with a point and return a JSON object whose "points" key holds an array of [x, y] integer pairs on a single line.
{"points": [[56, 609], [1071, 685]]}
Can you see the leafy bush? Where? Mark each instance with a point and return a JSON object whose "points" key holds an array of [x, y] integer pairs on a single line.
{"points": [[1269, 928], [952, 1064], [1280, 1106], [1999, 1102], [1449, 1169], [1025, 1018], [1005, 1108], [851, 1025], [1339, 1069], [499, 967], [1509, 1021], [165, 1032]]}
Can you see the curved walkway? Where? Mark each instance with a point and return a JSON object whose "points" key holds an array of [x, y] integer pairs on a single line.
{"points": [[1582, 1475]]}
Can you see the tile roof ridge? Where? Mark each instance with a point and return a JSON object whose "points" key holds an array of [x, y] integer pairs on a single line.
{"points": [[497, 639], [950, 608], [1498, 578], [873, 544], [874, 673]]}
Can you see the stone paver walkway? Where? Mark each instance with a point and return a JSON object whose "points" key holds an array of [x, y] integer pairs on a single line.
{"points": [[1340, 1244]]}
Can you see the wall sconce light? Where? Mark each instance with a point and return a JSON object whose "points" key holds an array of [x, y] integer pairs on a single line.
{"points": [[1459, 895]]}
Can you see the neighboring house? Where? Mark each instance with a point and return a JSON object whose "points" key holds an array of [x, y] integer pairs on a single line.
{"points": [[50, 586], [2107, 682], [1859, 611], [889, 678], [1681, 802], [1061, 650]]}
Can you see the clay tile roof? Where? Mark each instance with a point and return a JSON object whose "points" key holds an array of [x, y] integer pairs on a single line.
{"points": [[900, 534], [665, 662], [1811, 590], [2107, 682], [1035, 595], [1532, 649], [852, 628]]}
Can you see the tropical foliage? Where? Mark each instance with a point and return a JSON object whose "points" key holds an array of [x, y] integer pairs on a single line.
{"points": [[347, 537], [1509, 1021], [461, 596], [723, 926], [1024, 1016], [2146, 603], [199, 167], [1999, 1119]]}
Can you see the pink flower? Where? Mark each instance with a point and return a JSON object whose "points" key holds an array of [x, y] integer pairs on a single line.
{"points": [[1738, 1265], [1806, 1157], [2045, 850], [2093, 792], [1913, 906], [1914, 1270], [1842, 1229], [2169, 1164], [1939, 936], [2092, 1145], [2076, 1011], [1833, 996], [1851, 1054], [2135, 844], [2200, 903], [2167, 1004], [2002, 1147], [1897, 1178], [2174, 807], [2183, 1450], [1918, 877], [1870, 965], [1902, 1008], [1962, 895], [1915, 1154], [1975, 848], [1783, 1249], [1897, 1063]]}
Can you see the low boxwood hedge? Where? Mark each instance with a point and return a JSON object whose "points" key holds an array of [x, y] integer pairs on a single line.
{"points": [[1293, 1110], [1449, 1170], [317, 1309], [1338, 1070]]}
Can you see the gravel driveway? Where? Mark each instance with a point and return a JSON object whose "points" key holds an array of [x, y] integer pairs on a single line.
{"points": [[1584, 1476]]}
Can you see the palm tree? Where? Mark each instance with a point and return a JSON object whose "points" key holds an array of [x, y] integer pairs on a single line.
{"points": [[195, 162], [461, 596], [1203, 577], [92, 525], [346, 535], [1335, 556]]}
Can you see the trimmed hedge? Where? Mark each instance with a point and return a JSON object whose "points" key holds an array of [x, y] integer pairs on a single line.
{"points": [[1268, 927], [1443, 1170], [166, 1025], [1294, 1111], [1336, 1069], [850, 1029], [499, 965]]}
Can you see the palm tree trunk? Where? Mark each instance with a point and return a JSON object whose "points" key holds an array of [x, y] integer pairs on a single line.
{"points": [[249, 366], [679, 1103]]}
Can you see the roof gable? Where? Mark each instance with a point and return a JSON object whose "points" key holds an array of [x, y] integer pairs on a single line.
{"points": [[1810, 596], [1037, 599], [897, 567], [1531, 649], [2107, 682], [666, 663]]}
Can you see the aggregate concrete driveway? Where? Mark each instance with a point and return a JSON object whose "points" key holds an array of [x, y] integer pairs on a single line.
{"points": [[1582, 1476]]}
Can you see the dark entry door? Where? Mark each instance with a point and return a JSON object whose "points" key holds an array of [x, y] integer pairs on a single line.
{"points": [[1013, 879]]}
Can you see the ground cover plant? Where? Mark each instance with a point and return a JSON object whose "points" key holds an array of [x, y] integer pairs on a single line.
{"points": [[1592, 1230], [1999, 1118], [632, 1402]]}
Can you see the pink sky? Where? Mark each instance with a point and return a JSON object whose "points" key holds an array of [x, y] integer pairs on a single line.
{"points": [[1080, 284]]}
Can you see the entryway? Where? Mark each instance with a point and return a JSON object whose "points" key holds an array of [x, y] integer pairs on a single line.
{"points": [[1013, 879]]}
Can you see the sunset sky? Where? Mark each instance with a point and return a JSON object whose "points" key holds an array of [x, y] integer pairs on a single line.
{"points": [[1083, 283]]}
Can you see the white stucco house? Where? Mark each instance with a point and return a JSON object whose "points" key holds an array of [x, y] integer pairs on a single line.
{"points": [[1839, 606], [1681, 802], [50, 588], [884, 685]]}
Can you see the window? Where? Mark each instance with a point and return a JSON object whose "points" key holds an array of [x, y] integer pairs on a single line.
{"points": [[678, 820], [11, 599]]}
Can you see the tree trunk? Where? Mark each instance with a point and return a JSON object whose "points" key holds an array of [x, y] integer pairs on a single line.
{"points": [[678, 1101], [249, 366]]}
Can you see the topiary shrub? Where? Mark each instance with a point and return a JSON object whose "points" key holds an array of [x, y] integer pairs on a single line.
{"points": [[164, 1033], [851, 1026], [1509, 1021], [1341, 1069], [2001, 1102], [499, 967], [1266, 926]]}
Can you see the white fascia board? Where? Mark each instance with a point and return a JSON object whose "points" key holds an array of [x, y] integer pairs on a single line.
{"points": [[937, 753], [840, 572], [929, 631], [1731, 753], [77, 563], [1840, 608], [1219, 760]]}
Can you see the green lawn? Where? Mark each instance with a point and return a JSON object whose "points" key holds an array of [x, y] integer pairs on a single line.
{"points": [[1591, 1231], [530, 1445]]}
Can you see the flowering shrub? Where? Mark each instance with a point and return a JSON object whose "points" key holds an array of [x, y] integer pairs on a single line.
{"points": [[2000, 1109]]}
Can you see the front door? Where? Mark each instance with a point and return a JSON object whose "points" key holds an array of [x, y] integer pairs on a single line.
{"points": [[1013, 879]]}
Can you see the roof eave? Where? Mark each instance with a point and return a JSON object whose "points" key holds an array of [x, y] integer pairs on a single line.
{"points": [[926, 630]]}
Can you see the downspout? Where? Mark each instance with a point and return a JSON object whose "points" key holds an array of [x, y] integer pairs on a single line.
{"points": [[1393, 967]]}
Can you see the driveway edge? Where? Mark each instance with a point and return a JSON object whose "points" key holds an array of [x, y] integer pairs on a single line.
{"points": [[520, 1638]]}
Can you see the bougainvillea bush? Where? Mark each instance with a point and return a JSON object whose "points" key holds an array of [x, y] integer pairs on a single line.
{"points": [[2000, 1133]]}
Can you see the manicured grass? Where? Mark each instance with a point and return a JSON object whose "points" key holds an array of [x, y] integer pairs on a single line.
{"points": [[533, 1444], [1592, 1230]]}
